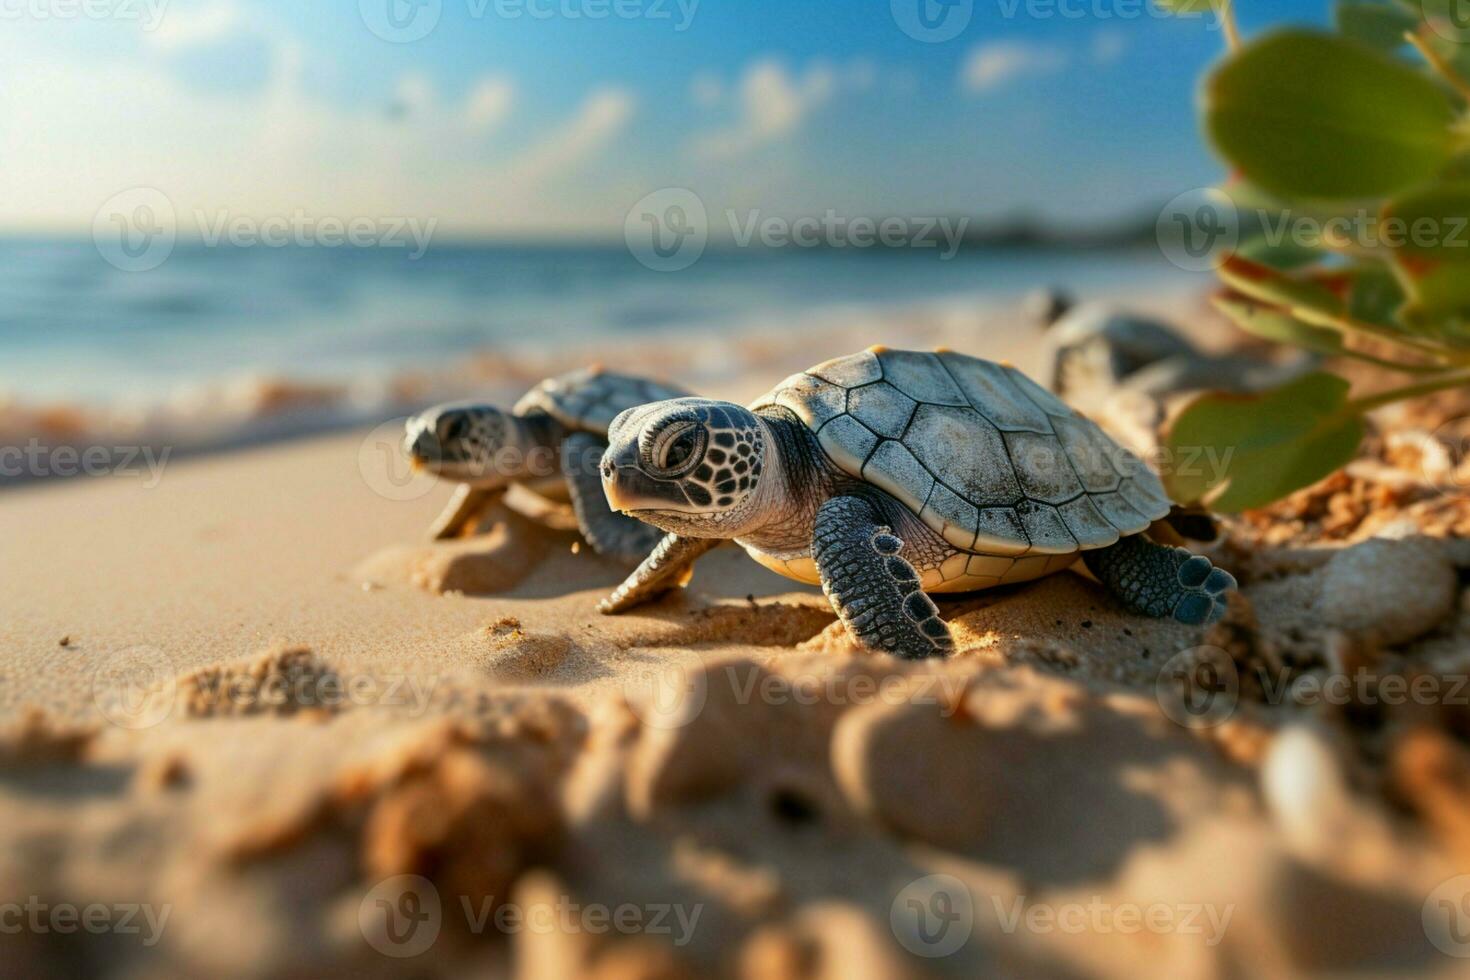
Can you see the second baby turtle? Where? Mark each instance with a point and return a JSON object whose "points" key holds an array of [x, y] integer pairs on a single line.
{"points": [[551, 440]]}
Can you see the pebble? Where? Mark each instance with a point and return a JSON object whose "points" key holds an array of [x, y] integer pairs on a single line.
{"points": [[1389, 590], [1306, 792]]}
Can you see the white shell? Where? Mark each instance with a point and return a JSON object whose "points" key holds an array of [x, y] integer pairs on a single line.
{"points": [[985, 456], [588, 399]]}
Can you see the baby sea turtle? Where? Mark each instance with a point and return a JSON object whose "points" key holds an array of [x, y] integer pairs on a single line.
{"points": [[1096, 345], [551, 442], [888, 474]]}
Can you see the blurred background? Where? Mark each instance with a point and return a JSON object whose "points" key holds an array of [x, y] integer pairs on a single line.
{"points": [[217, 208]]}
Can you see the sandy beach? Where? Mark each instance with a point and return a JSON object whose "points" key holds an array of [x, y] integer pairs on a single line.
{"points": [[253, 711]]}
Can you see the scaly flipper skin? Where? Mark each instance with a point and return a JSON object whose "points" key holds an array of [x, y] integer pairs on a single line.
{"points": [[461, 516], [661, 571], [618, 536], [873, 589], [1157, 580]]}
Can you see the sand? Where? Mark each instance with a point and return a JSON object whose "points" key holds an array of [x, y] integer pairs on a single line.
{"points": [[251, 705]]}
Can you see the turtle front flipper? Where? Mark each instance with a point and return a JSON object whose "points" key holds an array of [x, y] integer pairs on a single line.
{"points": [[670, 566], [1161, 581], [875, 591], [461, 516], [609, 533]]}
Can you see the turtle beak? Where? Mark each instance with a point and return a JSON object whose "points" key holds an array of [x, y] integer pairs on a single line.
{"points": [[420, 444], [617, 498], [626, 487]]}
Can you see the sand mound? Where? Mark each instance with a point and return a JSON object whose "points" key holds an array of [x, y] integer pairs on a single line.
{"points": [[486, 564], [281, 681]]}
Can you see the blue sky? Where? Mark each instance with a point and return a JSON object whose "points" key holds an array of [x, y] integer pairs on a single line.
{"points": [[513, 117]]}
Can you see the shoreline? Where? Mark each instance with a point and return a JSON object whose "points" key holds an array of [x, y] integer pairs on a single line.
{"points": [[207, 419]]}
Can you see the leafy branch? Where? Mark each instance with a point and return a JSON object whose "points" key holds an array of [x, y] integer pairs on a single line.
{"points": [[1362, 134]]}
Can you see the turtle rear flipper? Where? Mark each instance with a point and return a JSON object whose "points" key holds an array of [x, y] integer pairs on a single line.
{"points": [[1160, 581], [608, 532]]}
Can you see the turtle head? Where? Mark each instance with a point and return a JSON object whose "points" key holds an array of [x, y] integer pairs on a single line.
{"points": [[465, 442], [690, 465]]}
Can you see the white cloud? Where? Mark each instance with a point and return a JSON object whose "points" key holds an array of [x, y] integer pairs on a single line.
{"points": [[993, 66], [601, 116], [415, 94], [189, 27], [489, 103], [772, 103], [283, 148], [1108, 46]]}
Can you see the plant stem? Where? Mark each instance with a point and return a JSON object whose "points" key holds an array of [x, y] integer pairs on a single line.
{"points": [[1227, 19], [1346, 325], [1437, 61], [1359, 406]]}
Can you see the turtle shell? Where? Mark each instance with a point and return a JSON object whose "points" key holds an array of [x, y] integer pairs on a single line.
{"points": [[588, 399], [985, 456]]}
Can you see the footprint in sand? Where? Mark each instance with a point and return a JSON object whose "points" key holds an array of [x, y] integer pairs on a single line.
{"points": [[487, 564]]}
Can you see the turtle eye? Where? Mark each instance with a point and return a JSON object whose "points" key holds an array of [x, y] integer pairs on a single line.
{"points": [[453, 428], [677, 449]]}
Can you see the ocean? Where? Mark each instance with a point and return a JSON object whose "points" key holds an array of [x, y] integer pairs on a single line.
{"points": [[76, 330]]}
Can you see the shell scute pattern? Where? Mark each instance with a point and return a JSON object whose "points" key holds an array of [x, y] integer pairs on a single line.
{"points": [[850, 371], [815, 402], [1045, 400], [882, 408], [985, 456], [848, 442], [954, 517], [994, 394], [1091, 453], [589, 399], [1043, 468], [1120, 513], [893, 468], [1049, 534], [921, 376], [968, 452], [1001, 532]]}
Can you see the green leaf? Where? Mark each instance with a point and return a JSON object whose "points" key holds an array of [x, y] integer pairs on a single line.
{"points": [[1320, 117], [1433, 223], [1439, 295], [1237, 452], [1284, 256], [1273, 323], [1270, 286], [1377, 25], [1376, 296]]}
